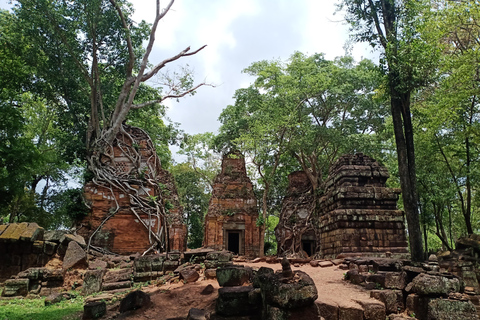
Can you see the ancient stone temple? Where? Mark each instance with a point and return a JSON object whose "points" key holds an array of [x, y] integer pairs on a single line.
{"points": [[232, 212], [115, 222], [358, 213], [295, 231]]}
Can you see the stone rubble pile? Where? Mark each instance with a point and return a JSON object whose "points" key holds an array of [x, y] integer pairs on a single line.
{"points": [[422, 291]]}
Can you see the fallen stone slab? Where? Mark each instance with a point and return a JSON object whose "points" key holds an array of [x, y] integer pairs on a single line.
{"points": [[116, 285], [75, 257], [325, 264]]}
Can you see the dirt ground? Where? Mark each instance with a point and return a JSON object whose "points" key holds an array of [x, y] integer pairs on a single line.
{"points": [[175, 300]]}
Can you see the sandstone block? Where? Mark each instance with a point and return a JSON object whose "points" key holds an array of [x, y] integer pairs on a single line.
{"points": [[92, 281], [392, 299], [75, 257], [189, 275], [328, 310], [395, 280], [372, 310], [15, 287], [234, 276], [94, 310], [210, 273], [116, 285]]}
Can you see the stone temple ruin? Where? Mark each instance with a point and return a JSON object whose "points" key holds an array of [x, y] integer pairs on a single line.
{"points": [[296, 230], [357, 213], [232, 212], [128, 232]]}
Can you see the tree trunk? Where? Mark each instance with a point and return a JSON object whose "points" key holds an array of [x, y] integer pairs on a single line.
{"points": [[400, 108]]}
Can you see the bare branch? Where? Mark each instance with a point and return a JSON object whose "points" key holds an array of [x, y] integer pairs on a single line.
{"points": [[170, 96], [162, 64], [131, 55]]}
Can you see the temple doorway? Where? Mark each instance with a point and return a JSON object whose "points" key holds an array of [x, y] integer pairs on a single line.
{"points": [[233, 241]]}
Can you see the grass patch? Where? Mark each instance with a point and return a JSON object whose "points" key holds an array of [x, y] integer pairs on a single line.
{"points": [[35, 309]]}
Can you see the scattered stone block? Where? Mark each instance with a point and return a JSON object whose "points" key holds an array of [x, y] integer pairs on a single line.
{"points": [[395, 280], [327, 309], [234, 301], [372, 310], [116, 285], [350, 313], [426, 284], [197, 314], [15, 287], [94, 310], [299, 292], [314, 263], [392, 299], [53, 298], [325, 264], [97, 264], [234, 276], [209, 289], [210, 273], [75, 257], [189, 275], [92, 281]]}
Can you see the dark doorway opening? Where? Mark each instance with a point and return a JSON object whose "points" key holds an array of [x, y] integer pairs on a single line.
{"points": [[308, 246], [233, 243]]}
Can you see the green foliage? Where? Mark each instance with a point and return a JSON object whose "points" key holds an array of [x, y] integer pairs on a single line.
{"points": [[26, 309], [194, 194]]}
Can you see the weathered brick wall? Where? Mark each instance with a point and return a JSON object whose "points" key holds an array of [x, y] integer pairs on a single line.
{"points": [[232, 208], [358, 213]]}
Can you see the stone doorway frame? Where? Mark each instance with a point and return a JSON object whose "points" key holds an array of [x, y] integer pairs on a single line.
{"points": [[235, 227]]}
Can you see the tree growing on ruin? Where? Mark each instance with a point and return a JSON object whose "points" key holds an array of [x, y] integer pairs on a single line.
{"points": [[95, 45]]}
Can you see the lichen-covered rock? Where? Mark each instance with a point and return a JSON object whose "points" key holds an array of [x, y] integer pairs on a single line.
{"points": [[234, 275], [445, 309], [426, 284], [298, 292], [92, 281]]}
